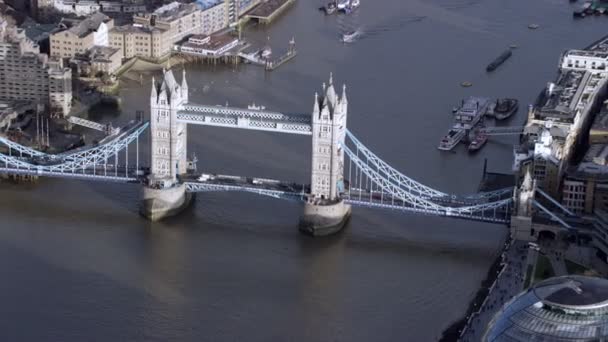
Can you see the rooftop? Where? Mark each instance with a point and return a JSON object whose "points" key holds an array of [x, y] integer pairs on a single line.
{"points": [[205, 4], [174, 10], [215, 41], [135, 28], [568, 308], [560, 99], [600, 45], [101, 53], [266, 8], [88, 25]]}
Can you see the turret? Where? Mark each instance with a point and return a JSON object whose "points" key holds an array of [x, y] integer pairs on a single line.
{"points": [[315, 109], [184, 86], [153, 94]]}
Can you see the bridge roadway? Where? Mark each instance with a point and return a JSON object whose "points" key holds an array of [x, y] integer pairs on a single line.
{"points": [[261, 120], [355, 196]]}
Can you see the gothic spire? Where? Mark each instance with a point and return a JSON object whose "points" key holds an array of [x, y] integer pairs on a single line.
{"points": [[184, 83], [153, 94]]}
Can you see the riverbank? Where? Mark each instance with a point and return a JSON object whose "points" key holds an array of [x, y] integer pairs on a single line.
{"points": [[456, 329]]}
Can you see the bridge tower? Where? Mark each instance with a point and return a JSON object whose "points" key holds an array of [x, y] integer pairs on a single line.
{"points": [[324, 211], [164, 195], [521, 218]]}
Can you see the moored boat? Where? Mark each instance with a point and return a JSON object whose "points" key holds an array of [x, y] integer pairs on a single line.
{"points": [[504, 108], [329, 9], [478, 142], [451, 139], [470, 112]]}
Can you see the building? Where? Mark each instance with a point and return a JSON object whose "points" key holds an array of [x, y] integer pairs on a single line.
{"points": [[153, 35], [27, 74], [235, 9], [568, 308], [138, 40], [166, 99], [88, 7], [208, 46], [98, 59], [82, 36], [560, 119]]}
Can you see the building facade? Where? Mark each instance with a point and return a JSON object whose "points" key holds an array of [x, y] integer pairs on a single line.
{"points": [[168, 154], [26, 74], [82, 36], [153, 35], [328, 134]]}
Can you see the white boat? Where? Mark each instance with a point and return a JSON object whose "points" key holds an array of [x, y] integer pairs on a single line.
{"points": [[343, 4], [350, 36], [450, 140], [348, 6], [470, 112]]}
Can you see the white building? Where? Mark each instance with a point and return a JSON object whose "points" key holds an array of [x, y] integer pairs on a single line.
{"points": [[328, 134], [211, 46], [26, 74], [166, 99]]}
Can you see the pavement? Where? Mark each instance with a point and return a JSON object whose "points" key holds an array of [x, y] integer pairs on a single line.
{"points": [[508, 284]]}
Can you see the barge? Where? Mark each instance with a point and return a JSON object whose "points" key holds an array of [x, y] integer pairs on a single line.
{"points": [[499, 60]]}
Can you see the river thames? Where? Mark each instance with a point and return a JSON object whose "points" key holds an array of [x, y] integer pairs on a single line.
{"points": [[78, 263]]}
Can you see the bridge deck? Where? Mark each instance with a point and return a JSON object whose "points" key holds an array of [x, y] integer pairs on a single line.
{"points": [[253, 119]]}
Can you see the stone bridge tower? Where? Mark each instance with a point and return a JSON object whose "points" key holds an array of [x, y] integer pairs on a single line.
{"points": [[168, 137], [163, 195], [325, 211]]}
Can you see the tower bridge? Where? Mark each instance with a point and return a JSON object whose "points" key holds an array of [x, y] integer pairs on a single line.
{"points": [[344, 172]]}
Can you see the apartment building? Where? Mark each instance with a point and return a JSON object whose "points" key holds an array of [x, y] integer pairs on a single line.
{"points": [[27, 74], [88, 7], [82, 36], [153, 34]]}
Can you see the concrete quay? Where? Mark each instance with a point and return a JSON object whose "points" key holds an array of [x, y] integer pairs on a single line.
{"points": [[509, 283]]}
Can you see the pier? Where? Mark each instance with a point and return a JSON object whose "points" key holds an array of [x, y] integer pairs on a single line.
{"points": [[236, 53]]}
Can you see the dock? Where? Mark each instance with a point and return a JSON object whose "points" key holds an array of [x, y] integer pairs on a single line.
{"points": [[241, 52]]}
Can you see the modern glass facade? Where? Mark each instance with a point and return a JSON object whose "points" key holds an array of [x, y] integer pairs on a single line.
{"points": [[568, 308]]}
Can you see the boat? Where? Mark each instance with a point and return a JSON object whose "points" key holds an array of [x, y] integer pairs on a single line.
{"points": [[348, 6], [451, 139], [504, 108], [329, 9], [499, 60], [470, 112], [579, 13], [533, 26], [341, 5], [478, 142], [349, 36], [466, 84]]}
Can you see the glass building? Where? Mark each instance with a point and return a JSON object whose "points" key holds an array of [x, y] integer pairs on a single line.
{"points": [[569, 308]]}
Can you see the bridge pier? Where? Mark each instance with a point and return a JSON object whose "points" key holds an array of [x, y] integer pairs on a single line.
{"points": [[321, 219], [160, 203]]}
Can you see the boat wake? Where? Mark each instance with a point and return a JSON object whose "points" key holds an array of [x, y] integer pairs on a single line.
{"points": [[395, 25], [351, 36]]}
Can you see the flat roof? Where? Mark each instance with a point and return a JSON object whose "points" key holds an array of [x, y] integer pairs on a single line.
{"points": [[215, 41], [560, 101], [266, 8]]}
